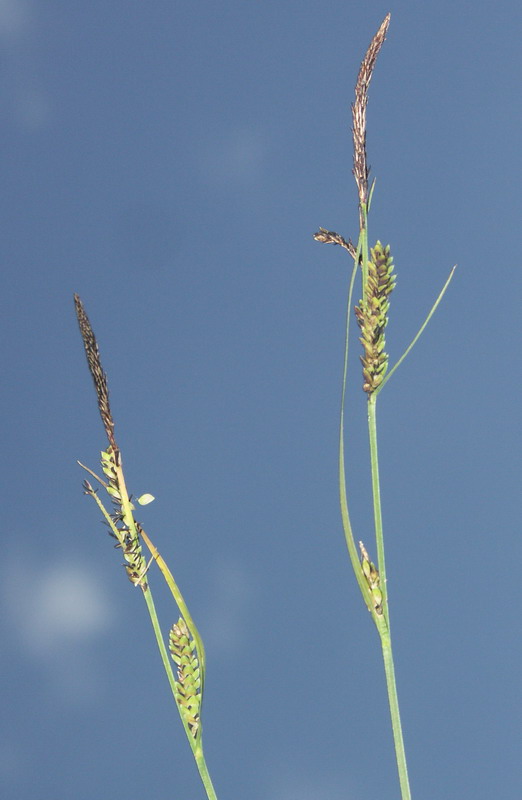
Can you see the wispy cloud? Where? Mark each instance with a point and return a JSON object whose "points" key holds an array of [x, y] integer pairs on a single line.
{"points": [[52, 607], [53, 616]]}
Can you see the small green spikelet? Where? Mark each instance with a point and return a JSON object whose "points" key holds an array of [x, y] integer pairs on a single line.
{"points": [[373, 579], [127, 536], [372, 316], [188, 685]]}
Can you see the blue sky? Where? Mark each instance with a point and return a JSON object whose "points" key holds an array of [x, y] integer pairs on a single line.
{"points": [[169, 162]]}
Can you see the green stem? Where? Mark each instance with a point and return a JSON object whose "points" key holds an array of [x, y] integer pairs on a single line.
{"points": [[197, 748], [347, 526], [384, 627], [195, 745], [393, 699], [204, 774], [180, 602], [363, 250], [376, 491], [159, 640]]}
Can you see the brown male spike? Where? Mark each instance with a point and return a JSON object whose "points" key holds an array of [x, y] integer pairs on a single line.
{"points": [[360, 165], [98, 375]]}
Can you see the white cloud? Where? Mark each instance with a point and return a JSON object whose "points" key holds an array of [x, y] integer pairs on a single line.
{"points": [[54, 606], [55, 614]]}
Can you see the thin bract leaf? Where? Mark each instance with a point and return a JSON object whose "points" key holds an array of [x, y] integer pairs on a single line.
{"points": [[421, 329]]}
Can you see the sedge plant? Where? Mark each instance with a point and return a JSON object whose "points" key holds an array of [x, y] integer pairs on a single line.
{"points": [[187, 677], [183, 646], [375, 267]]}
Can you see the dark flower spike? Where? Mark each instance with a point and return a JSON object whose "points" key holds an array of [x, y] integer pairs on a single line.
{"points": [[98, 375], [360, 166], [331, 237]]}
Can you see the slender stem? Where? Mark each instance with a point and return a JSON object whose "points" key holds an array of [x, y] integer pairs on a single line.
{"points": [[204, 773], [376, 490], [180, 602], [347, 527], [393, 699], [384, 628], [364, 251], [159, 640], [196, 747]]}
